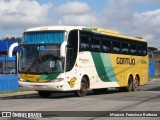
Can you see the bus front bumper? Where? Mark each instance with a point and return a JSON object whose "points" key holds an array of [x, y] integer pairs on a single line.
{"points": [[56, 86]]}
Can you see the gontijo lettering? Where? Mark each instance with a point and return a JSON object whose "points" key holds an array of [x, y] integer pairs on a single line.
{"points": [[125, 61]]}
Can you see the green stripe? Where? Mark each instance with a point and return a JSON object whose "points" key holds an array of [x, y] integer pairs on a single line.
{"points": [[53, 76], [104, 67]]}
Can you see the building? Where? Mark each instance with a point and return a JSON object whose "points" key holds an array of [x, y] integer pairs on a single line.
{"points": [[154, 65], [8, 67]]}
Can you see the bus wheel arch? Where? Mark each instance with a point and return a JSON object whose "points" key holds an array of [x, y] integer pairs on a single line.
{"points": [[87, 80], [84, 85], [129, 86], [138, 77], [136, 82]]}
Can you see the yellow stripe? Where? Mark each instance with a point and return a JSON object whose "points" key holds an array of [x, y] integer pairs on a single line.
{"points": [[32, 78]]}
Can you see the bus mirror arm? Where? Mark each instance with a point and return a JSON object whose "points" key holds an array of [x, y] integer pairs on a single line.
{"points": [[63, 49], [10, 51]]}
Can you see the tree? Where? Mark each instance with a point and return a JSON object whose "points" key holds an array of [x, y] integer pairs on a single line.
{"points": [[152, 49], [12, 38]]}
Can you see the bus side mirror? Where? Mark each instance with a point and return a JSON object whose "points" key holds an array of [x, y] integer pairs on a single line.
{"points": [[10, 51], [63, 49]]}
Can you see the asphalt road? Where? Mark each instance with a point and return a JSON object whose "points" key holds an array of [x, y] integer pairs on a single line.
{"points": [[147, 98]]}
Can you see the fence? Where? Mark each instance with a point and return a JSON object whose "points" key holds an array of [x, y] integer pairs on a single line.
{"points": [[8, 74], [156, 59], [151, 69], [8, 83], [8, 68]]}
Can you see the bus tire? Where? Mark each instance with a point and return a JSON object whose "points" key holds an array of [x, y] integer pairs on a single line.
{"points": [[135, 84], [44, 94], [129, 87], [100, 91], [83, 88]]}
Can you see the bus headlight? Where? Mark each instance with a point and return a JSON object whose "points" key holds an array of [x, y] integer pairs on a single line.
{"points": [[22, 80], [57, 80]]}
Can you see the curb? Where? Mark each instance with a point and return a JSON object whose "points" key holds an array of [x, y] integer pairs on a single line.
{"points": [[18, 94]]}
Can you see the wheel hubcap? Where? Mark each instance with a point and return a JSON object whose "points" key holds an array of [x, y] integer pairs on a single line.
{"points": [[135, 84]]}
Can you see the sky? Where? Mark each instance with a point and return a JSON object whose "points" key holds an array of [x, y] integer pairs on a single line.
{"points": [[138, 18]]}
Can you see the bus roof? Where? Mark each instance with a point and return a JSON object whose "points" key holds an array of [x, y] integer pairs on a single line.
{"points": [[45, 28], [91, 29], [114, 33]]}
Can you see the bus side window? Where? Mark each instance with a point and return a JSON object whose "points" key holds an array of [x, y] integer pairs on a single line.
{"points": [[84, 43], [116, 46], [106, 45], [95, 44], [144, 49], [133, 48], [83, 46], [72, 49], [139, 49], [125, 47]]}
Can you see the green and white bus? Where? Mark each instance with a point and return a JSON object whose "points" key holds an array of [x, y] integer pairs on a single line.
{"points": [[78, 58]]}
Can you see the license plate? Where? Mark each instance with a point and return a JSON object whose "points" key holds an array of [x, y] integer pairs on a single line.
{"points": [[37, 86]]}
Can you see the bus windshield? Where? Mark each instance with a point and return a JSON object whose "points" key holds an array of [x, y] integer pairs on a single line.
{"points": [[41, 59]]}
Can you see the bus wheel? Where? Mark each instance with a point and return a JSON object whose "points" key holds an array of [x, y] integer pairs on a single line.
{"points": [[100, 91], [83, 89], [135, 84], [130, 84], [44, 94]]}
